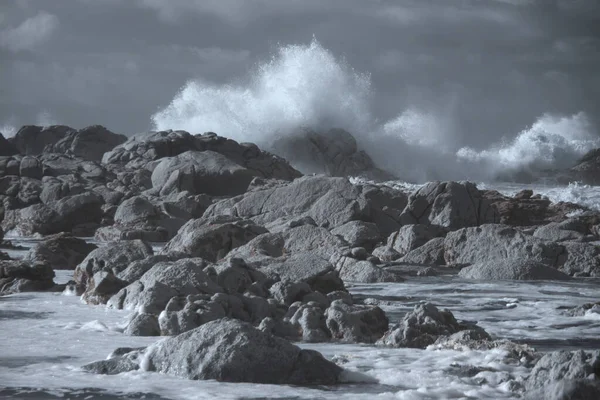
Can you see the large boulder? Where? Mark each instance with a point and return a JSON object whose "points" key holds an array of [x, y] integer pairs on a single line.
{"points": [[422, 327], [230, 351], [141, 151], [334, 153], [410, 237], [32, 139], [563, 375], [452, 205], [165, 280], [115, 256], [353, 323], [69, 214], [583, 259], [431, 253], [494, 242], [330, 202], [6, 147], [587, 169], [201, 172], [89, 143], [60, 251], [22, 276], [212, 238], [511, 269]]}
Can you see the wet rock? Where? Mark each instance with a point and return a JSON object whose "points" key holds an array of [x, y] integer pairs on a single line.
{"points": [[511, 269], [422, 327], [60, 251], [165, 280], [334, 153], [585, 309], [566, 231], [354, 323], [136, 269], [410, 237], [101, 287], [143, 324], [115, 256], [288, 292], [452, 205], [309, 320], [571, 374], [586, 170], [431, 253], [491, 242], [212, 238], [232, 351], [184, 314], [21, 276]]}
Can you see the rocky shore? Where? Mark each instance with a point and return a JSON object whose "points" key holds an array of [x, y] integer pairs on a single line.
{"points": [[231, 253]]}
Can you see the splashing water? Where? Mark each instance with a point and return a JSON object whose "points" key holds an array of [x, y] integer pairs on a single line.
{"points": [[299, 86], [306, 86]]}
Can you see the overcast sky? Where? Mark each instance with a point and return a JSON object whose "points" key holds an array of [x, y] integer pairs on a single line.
{"points": [[494, 65]]}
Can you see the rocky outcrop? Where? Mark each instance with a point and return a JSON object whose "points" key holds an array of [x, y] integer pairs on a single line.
{"points": [[60, 251], [115, 257], [587, 169], [565, 375], [22, 276], [32, 139], [497, 242], [89, 143], [452, 205], [227, 350], [422, 327], [411, 237], [334, 153], [511, 269], [329, 202], [6, 147], [212, 238]]}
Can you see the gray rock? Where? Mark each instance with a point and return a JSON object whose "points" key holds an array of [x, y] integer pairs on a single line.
{"points": [[354, 323], [152, 292], [580, 311], [115, 256], [583, 259], [232, 351], [421, 327], [201, 172], [288, 292], [309, 321], [352, 270], [138, 268], [182, 315], [101, 287], [32, 139], [452, 205], [387, 254], [60, 251], [21, 276], [89, 143], [31, 167], [6, 147], [410, 237], [565, 231], [572, 389], [563, 366], [491, 242], [431, 253], [330, 202], [306, 267], [143, 324], [334, 153], [359, 234], [511, 269], [212, 238]]}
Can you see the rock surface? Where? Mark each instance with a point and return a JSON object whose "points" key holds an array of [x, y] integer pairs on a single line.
{"points": [[228, 351], [511, 269], [60, 251]]}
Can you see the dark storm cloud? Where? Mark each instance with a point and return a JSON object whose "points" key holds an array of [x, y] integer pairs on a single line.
{"points": [[494, 66]]}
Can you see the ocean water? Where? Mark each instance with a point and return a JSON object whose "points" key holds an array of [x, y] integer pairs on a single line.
{"points": [[46, 337]]}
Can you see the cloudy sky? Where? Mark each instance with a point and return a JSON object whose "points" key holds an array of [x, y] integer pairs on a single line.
{"points": [[493, 67]]}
